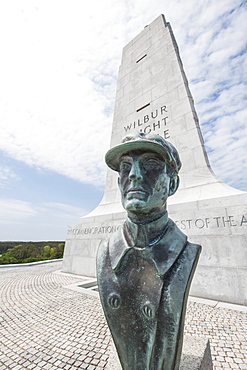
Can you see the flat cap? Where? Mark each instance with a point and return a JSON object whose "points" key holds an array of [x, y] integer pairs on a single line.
{"points": [[147, 142]]}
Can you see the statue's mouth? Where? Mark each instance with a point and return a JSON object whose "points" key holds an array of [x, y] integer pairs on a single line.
{"points": [[138, 193], [136, 190]]}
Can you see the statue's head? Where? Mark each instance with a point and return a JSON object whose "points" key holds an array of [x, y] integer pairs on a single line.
{"points": [[148, 167]]}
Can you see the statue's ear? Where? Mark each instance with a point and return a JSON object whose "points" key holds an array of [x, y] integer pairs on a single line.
{"points": [[174, 183]]}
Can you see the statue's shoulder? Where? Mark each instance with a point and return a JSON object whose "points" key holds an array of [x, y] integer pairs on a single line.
{"points": [[101, 255], [193, 249], [106, 250], [176, 233], [103, 247]]}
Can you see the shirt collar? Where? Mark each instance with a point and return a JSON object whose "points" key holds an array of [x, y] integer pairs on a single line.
{"points": [[160, 238], [143, 235]]}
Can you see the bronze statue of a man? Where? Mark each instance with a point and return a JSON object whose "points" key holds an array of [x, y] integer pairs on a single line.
{"points": [[145, 269]]}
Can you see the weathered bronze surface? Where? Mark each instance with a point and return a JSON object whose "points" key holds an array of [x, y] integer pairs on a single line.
{"points": [[145, 269]]}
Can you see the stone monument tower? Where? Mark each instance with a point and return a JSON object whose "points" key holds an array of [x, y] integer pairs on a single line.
{"points": [[153, 96]]}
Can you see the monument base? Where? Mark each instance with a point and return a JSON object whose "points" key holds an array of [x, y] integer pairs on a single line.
{"points": [[219, 224], [196, 355]]}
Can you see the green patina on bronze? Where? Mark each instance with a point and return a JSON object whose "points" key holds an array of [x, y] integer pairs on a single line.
{"points": [[145, 269]]}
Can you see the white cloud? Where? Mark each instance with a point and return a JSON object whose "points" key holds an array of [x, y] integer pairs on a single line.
{"points": [[64, 210], [58, 75], [15, 211], [22, 220], [7, 176]]}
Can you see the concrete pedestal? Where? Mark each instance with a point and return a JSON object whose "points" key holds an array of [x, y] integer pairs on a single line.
{"points": [[196, 355]]}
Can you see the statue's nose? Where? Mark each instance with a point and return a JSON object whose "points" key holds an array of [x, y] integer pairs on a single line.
{"points": [[135, 172]]}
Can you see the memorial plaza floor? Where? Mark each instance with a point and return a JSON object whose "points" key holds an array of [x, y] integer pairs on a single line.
{"points": [[48, 322]]}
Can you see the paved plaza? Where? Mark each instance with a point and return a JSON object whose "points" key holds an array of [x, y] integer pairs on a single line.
{"points": [[48, 322]]}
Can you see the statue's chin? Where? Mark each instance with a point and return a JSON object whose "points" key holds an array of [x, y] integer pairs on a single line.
{"points": [[135, 205]]}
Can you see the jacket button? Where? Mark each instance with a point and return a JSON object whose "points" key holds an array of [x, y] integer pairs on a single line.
{"points": [[114, 300], [148, 310]]}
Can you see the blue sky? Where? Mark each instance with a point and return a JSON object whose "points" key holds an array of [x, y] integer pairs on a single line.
{"points": [[35, 201], [58, 74]]}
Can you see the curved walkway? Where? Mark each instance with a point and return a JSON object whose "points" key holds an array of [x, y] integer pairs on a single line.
{"points": [[46, 325]]}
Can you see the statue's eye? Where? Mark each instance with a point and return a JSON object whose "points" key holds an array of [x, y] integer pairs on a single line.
{"points": [[152, 164], [125, 166]]}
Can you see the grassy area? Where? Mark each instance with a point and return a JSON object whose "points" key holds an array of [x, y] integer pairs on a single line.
{"points": [[23, 252]]}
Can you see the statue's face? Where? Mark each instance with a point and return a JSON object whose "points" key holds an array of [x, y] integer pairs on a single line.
{"points": [[144, 184]]}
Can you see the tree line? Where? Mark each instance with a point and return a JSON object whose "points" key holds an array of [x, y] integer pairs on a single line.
{"points": [[30, 251]]}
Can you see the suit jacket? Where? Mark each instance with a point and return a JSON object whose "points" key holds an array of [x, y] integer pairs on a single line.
{"points": [[144, 284]]}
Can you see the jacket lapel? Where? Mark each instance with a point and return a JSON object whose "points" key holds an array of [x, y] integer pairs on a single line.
{"points": [[164, 253]]}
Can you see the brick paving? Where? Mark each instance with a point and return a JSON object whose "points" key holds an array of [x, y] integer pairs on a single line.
{"points": [[46, 325], [226, 330]]}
